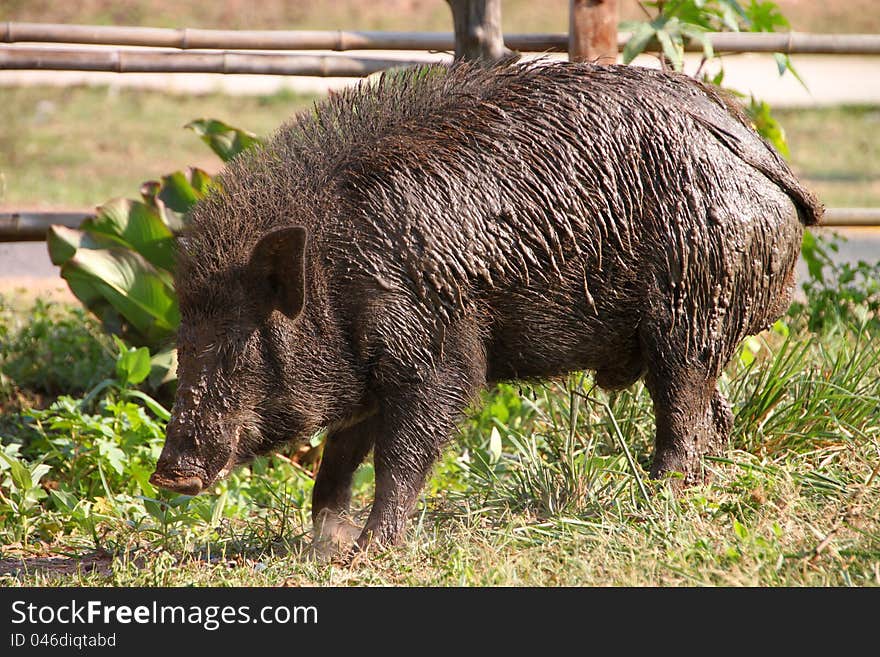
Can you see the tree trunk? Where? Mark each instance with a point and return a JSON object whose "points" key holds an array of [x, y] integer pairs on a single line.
{"points": [[478, 33], [592, 33]]}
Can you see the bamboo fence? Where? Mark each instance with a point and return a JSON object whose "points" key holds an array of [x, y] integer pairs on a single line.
{"points": [[189, 38], [143, 61]]}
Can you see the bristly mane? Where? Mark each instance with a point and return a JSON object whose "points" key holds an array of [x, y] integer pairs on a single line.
{"points": [[441, 166]]}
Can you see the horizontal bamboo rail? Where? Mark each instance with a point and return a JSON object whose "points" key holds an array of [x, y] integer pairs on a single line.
{"points": [[144, 61], [27, 226], [188, 39]]}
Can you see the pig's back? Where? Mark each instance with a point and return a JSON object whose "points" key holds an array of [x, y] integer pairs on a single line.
{"points": [[523, 176]]}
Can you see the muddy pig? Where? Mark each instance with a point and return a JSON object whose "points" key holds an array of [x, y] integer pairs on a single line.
{"points": [[405, 243]]}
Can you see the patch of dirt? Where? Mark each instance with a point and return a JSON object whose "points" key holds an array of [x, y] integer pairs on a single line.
{"points": [[56, 565], [24, 290]]}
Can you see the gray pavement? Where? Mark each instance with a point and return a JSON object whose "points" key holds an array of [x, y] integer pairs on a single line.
{"points": [[26, 265], [830, 79]]}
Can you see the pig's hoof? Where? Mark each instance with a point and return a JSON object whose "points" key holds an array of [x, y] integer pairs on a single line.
{"points": [[335, 537]]}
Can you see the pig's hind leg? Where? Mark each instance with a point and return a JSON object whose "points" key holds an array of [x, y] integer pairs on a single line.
{"points": [[692, 417], [344, 450]]}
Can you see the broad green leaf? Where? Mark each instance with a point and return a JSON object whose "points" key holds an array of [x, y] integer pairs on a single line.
{"points": [[155, 508], [700, 35], [629, 26], [225, 140], [63, 242], [672, 48], [138, 226], [157, 409], [495, 445], [113, 454], [781, 328], [180, 190], [20, 475], [217, 510], [731, 14], [163, 367], [637, 42], [767, 125], [38, 472], [175, 194], [811, 255], [141, 294], [63, 500], [688, 13], [783, 64], [765, 17], [133, 365]]}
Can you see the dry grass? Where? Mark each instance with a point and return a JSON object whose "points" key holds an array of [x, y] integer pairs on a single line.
{"points": [[82, 146], [406, 15]]}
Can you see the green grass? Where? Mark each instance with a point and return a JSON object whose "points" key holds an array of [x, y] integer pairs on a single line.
{"points": [[81, 146], [546, 486], [836, 152]]}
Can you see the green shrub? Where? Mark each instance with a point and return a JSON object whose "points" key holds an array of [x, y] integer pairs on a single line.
{"points": [[120, 263], [836, 294], [54, 350]]}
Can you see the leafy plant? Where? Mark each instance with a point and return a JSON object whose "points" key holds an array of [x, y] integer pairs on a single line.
{"points": [[82, 466], [120, 263], [20, 491], [767, 125], [836, 293], [223, 139], [53, 351], [121, 425], [674, 22]]}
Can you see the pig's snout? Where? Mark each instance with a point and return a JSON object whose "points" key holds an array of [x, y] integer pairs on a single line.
{"points": [[183, 485], [176, 475]]}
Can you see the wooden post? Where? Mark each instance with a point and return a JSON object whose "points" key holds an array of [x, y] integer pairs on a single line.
{"points": [[478, 34], [592, 31]]}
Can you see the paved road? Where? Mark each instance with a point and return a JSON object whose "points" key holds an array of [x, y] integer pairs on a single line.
{"points": [[831, 80]]}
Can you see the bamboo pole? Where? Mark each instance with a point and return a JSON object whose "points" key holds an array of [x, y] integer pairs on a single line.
{"points": [[188, 39], [851, 217], [140, 61], [27, 226]]}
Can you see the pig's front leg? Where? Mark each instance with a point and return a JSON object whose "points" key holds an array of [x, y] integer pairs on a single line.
{"points": [[403, 457], [418, 418], [344, 450]]}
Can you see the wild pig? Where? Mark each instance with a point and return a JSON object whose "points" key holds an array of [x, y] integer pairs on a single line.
{"points": [[390, 253]]}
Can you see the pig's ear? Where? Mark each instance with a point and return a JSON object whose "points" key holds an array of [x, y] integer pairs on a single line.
{"points": [[278, 264]]}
